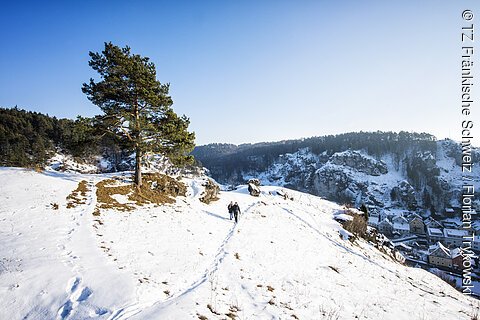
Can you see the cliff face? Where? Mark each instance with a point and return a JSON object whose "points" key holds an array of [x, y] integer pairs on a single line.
{"points": [[416, 179]]}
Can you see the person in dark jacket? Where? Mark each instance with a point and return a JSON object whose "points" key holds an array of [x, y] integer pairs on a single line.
{"points": [[230, 209], [236, 211]]}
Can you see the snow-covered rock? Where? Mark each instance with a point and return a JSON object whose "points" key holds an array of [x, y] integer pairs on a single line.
{"points": [[404, 194], [359, 162]]}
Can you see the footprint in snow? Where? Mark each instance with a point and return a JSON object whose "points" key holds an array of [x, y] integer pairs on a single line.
{"points": [[81, 295], [73, 284], [76, 295]]}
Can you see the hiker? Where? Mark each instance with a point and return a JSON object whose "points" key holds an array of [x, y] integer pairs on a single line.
{"points": [[230, 209], [236, 211]]}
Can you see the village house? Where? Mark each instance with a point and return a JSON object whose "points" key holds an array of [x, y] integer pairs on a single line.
{"points": [[449, 237], [451, 224], [408, 240], [400, 226], [441, 256], [449, 212], [432, 223], [435, 235], [454, 237], [457, 258], [417, 226], [373, 221], [476, 243], [385, 227]]}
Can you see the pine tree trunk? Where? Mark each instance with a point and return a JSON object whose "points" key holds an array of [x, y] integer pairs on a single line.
{"points": [[138, 168], [138, 153]]}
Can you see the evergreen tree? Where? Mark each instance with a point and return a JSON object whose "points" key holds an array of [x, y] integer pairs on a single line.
{"points": [[135, 104], [178, 141], [364, 209]]}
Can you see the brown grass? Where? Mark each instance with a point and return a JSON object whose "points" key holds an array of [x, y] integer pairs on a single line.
{"points": [[106, 189], [212, 310], [78, 196], [156, 189], [357, 226]]}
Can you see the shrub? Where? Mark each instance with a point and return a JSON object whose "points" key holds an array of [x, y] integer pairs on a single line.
{"points": [[357, 226]]}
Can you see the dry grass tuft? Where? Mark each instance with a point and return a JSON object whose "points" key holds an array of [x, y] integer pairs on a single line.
{"points": [[357, 226], [212, 310], [156, 189], [78, 196], [106, 189]]}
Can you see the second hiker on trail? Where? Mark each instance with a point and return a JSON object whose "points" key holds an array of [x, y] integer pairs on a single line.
{"points": [[230, 209], [236, 211]]}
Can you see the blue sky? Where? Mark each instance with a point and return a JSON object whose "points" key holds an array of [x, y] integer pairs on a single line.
{"points": [[249, 71]]}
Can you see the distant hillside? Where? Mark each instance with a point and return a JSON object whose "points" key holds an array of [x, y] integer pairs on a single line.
{"points": [[411, 171], [29, 138]]}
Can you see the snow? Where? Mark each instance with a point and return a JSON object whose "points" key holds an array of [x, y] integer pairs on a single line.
{"points": [[440, 246], [184, 260], [457, 233], [401, 226], [343, 217], [67, 163], [435, 232]]}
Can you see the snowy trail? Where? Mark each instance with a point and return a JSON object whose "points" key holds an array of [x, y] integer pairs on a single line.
{"points": [[78, 293], [134, 309]]}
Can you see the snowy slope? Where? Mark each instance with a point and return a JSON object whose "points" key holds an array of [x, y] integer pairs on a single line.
{"points": [[283, 260]]}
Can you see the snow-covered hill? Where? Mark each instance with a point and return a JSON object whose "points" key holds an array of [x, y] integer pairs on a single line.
{"points": [[424, 181], [285, 259]]}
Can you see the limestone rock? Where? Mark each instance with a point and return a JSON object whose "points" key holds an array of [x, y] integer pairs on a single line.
{"points": [[210, 193]]}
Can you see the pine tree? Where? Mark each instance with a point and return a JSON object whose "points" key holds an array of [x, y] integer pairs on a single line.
{"points": [[135, 104], [364, 209]]}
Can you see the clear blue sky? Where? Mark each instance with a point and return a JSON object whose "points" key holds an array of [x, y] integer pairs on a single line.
{"points": [[248, 71]]}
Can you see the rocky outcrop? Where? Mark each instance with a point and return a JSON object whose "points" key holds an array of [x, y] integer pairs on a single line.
{"points": [[210, 193], [254, 187], [359, 162], [335, 183], [404, 195]]}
